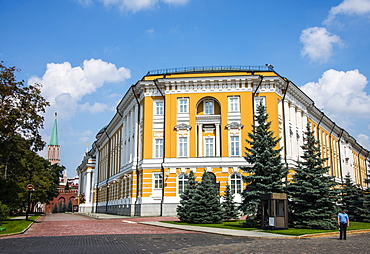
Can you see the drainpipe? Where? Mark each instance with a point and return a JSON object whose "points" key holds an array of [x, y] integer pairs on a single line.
{"points": [[164, 145], [109, 144], [253, 95], [340, 158], [137, 149], [284, 129], [359, 166], [331, 153]]}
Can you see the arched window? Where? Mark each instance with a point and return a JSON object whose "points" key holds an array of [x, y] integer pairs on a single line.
{"points": [[236, 183], [183, 182]]}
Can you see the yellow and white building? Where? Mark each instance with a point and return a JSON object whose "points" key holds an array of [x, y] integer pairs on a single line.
{"points": [[176, 120]]}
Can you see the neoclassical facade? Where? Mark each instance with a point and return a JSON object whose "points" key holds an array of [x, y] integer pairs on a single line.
{"points": [[176, 120]]}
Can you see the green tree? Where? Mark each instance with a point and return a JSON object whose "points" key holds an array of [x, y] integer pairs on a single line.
{"points": [[353, 200], [4, 212], [55, 209], [186, 199], [313, 195], [266, 173], [230, 210], [69, 206], [206, 207]]}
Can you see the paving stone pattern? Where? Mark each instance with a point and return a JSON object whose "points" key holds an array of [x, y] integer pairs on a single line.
{"points": [[78, 234]]}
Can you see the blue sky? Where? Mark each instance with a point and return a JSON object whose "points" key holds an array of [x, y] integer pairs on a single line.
{"points": [[86, 53]]}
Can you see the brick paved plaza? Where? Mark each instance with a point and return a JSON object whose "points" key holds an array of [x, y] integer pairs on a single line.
{"points": [[69, 233]]}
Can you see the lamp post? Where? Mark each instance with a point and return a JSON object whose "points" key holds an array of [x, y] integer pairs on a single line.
{"points": [[29, 189]]}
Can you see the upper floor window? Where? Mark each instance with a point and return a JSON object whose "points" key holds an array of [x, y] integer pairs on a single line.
{"points": [[158, 107], [234, 146], [158, 148], [208, 107], [234, 104], [183, 147], [258, 101], [209, 146], [183, 105], [183, 181]]}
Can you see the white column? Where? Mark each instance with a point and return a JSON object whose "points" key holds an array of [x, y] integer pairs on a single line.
{"points": [[286, 127], [200, 139], [88, 186], [294, 129], [218, 138]]}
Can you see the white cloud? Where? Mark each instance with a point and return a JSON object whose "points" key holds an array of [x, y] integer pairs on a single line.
{"points": [[84, 2], [364, 140], [138, 5], [95, 108], [341, 94], [348, 7], [64, 86], [318, 43]]}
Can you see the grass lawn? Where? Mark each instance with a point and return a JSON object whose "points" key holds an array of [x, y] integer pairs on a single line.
{"points": [[16, 226], [291, 231]]}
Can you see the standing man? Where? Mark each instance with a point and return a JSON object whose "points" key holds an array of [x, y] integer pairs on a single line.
{"points": [[343, 223]]}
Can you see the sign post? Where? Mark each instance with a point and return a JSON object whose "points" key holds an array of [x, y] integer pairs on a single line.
{"points": [[29, 189]]}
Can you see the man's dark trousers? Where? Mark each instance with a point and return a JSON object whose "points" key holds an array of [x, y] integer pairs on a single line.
{"points": [[343, 231]]}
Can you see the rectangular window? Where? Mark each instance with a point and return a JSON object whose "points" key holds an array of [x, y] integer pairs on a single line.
{"points": [[183, 147], [183, 105], [208, 107], [209, 147], [234, 104], [158, 181], [158, 110], [234, 146], [258, 101], [158, 148]]}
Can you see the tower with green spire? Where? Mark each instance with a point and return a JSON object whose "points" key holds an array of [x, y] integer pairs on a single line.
{"points": [[53, 147]]}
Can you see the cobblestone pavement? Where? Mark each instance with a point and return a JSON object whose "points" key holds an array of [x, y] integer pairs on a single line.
{"points": [[55, 234]]}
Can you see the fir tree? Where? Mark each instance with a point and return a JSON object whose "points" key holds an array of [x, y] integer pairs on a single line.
{"points": [[367, 199], [186, 202], [55, 209], [70, 206], [353, 200], [267, 171], [206, 207], [312, 194], [228, 206]]}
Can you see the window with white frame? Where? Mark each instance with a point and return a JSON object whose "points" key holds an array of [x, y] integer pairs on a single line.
{"points": [[183, 147], [183, 105], [158, 148], [158, 107], [209, 146], [234, 146], [183, 181], [234, 104], [209, 107], [157, 181], [236, 183], [258, 101]]}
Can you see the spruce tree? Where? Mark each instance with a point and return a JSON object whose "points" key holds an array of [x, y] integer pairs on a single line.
{"points": [[70, 206], [266, 173], [353, 200], [367, 200], [230, 211], [186, 202], [313, 195], [206, 207], [55, 209]]}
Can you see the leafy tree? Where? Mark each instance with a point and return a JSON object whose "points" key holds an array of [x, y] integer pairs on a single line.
{"points": [[206, 207], [21, 106], [313, 195], [4, 211], [230, 211], [266, 172], [353, 200], [186, 202]]}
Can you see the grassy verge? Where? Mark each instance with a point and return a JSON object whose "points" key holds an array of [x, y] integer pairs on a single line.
{"points": [[16, 226], [291, 231]]}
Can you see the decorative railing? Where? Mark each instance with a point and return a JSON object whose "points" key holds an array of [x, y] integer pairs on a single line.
{"points": [[211, 69]]}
